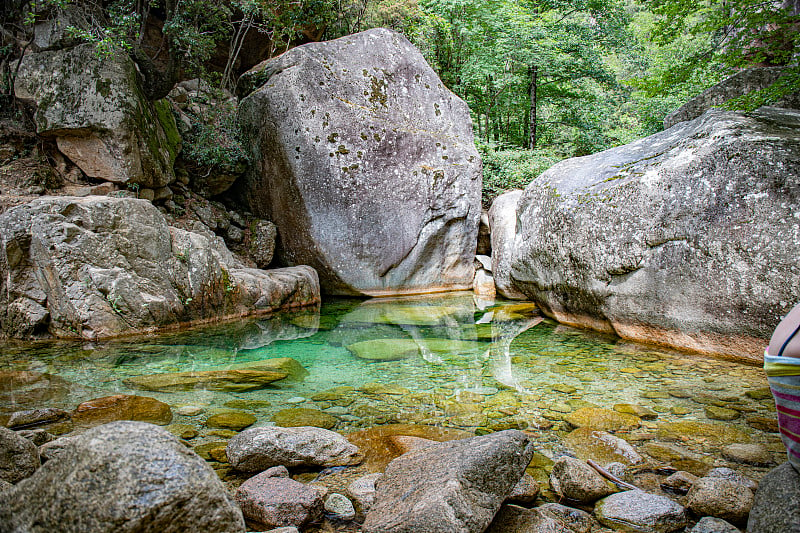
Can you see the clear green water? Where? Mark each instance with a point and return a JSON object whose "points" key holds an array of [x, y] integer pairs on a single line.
{"points": [[477, 366]]}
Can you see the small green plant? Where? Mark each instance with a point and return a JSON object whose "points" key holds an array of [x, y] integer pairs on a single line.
{"points": [[134, 187]]}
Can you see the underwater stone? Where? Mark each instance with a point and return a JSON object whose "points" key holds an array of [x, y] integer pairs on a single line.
{"points": [[602, 447], [220, 380], [234, 420], [122, 407], [300, 416], [602, 419]]}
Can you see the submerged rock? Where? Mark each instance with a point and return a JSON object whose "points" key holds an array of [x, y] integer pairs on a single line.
{"points": [[122, 407], [602, 419], [101, 266], [257, 449], [98, 115], [602, 447], [666, 239], [714, 433], [636, 511], [234, 420], [366, 163], [122, 477], [220, 380], [452, 486], [397, 349], [300, 416]]}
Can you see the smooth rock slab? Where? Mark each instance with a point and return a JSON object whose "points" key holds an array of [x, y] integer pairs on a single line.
{"points": [[278, 501], [125, 477], [34, 417], [640, 512], [503, 225], [776, 506], [366, 163], [300, 416], [19, 457], [451, 486], [257, 449]]}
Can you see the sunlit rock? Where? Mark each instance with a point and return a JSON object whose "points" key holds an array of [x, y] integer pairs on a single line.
{"points": [[122, 407], [366, 163]]}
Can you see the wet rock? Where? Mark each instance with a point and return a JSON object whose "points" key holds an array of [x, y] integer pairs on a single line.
{"points": [[256, 449], [600, 446], [525, 491], [300, 416], [182, 431], [234, 420], [678, 457], [278, 502], [645, 413], [720, 498], [762, 393], [190, 410], [515, 518], [717, 434], [334, 394], [575, 480], [94, 108], [602, 419], [403, 223], [286, 365], [362, 491], [721, 413], [733, 475], [381, 389], [398, 349], [35, 417], [483, 283], [210, 451], [65, 258], [574, 519], [452, 486], [709, 524], [219, 380], [19, 457], [763, 423], [776, 506], [641, 251], [679, 482], [340, 506], [639, 512], [503, 224], [5, 485], [24, 388], [122, 477], [122, 407], [750, 454]]}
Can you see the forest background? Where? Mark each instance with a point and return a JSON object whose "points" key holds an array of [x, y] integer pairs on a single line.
{"points": [[544, 79]]}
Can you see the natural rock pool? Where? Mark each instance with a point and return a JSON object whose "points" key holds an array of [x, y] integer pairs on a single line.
{"points": [[450, 360]]}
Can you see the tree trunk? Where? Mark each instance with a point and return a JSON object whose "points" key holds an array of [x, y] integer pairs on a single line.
{"points": [[533, 71]]}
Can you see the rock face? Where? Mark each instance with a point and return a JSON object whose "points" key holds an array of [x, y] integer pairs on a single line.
{"points": [[741, 83], [776, 506], [123, 477], [452, 486], [686, 238], [257, 449], [101, 120], [101, 266], [366, 163]]}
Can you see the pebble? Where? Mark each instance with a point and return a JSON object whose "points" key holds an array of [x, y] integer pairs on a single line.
{"points": [[189, 410]]}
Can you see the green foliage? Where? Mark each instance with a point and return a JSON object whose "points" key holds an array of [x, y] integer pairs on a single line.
{"points": [[508, 169], [215, 139]]}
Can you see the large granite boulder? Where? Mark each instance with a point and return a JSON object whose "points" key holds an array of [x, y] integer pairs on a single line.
{"points": [[776, 506], [121, 477], [743, 82], [94, 108], [452, 486], [503, 225], [101, 266], [19, 457], [685, 238], [366, 163]]}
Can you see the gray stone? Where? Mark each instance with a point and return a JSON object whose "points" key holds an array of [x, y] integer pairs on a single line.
{"points": [[776, 506], [679, 482], [636, 511], [257, 449], [503, 224], [709, 524], [51, 449], [101, 266], [19, 457], [720, 498], [664, 240], [575, 480], [340, 506], [452, 486], [51, 30], [33, 417], [750, 454], [5, 485], [366, 163], [362, 491], [741, 83], [122, 477], [278, 502], [574, 519], [96, 111], [732, 475], [521, 520], [262, 242]]}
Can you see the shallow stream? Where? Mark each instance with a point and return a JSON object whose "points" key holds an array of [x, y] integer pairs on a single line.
{"points": [[449, 360]]}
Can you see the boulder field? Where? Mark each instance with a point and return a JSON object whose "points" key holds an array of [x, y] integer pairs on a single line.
{"points": [[687, 238], [101, 266], [366, 163]]}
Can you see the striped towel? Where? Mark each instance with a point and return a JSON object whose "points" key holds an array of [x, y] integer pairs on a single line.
{"points": [[783, 374]]}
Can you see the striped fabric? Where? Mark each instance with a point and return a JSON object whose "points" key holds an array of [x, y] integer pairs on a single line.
{"points": [[783, 374]]}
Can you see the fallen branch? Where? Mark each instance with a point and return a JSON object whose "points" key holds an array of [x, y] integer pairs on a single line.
{"points": [[614, 479]]}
